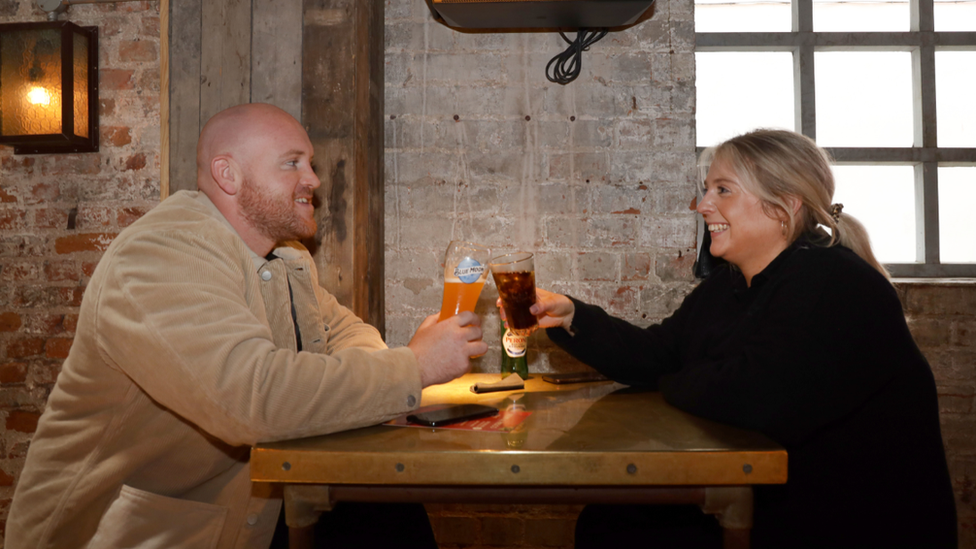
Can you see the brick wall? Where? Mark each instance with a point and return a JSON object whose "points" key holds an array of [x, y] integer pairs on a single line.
{"points": [[942, 317], [59, 212]]}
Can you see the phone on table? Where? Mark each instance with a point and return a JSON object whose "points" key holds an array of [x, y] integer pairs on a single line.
{"points": [[574, 377], [452, 414]]}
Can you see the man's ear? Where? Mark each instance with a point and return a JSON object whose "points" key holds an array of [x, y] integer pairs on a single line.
{"points": [[227, 174]]}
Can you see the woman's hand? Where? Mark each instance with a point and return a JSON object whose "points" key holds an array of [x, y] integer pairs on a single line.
{"points": [[551, 309]]}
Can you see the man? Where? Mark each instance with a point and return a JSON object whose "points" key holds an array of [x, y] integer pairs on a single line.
{"points": [[202, 332]]}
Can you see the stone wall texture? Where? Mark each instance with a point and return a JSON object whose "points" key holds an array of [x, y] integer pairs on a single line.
{"points": [[595, 177]]}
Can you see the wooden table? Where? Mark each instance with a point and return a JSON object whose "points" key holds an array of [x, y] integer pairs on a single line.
{"points": [[582, 443]]}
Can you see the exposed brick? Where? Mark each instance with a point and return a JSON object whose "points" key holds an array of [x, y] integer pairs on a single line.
{"points": [[51, 218], [9, 322], [135, 162], [128, 216], [13, 372], [115, 79], [70, 322], [24, 164], [87, 242], [5, 197], [43, 192], [964, 333], [12, 218], [595, 266], [117, 136], [43, 324], [138, 50], [635, 266], [25, 347], [62, 271], [18, 450], [675, 265], [106, 107], [71, 297], [20, 271], [44, 372], [6, 479], [57, 347], [22, 420], [95, 216], [930, 332], [88, 268]]}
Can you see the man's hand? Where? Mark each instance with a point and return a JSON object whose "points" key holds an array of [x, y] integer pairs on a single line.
{"points": [[443, 349], [550, 309]]}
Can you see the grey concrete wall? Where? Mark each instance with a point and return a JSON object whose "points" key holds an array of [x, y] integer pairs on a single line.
{"points": [[596, 177]]}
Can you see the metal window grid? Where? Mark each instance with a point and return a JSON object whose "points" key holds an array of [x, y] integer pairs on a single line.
{"points": [[926, 156]]}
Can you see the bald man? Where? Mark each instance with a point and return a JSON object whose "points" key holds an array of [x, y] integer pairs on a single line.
{"points": [[202, 332]]}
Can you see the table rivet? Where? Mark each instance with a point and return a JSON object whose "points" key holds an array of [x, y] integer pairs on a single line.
{"points": [[632, 469], [747, 468], [515, 469], [286, 466], [399, 467]]}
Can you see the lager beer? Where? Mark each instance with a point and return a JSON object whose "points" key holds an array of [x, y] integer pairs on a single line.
{"points": [[465, 273]]}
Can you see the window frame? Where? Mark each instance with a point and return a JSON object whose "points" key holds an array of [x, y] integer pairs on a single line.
{"points": [[925, 155]]}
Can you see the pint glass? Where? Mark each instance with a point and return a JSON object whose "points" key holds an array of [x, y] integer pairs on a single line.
{"points": [[514, 276], [465, 272]]}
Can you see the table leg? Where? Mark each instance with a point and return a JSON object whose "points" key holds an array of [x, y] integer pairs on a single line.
{"points": [[304, 504], [732, 505]]}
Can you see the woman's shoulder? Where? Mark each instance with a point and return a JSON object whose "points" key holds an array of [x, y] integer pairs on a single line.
{"points": [[839, 271]]}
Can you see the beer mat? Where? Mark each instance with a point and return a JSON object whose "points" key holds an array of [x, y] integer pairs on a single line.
{"points": [[506, 420], [511, 383]]}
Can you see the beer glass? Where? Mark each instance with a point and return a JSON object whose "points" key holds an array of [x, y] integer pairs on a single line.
{"points": [[465, 272], [514, 276]]}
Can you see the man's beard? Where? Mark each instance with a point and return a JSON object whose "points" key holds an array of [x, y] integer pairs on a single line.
{"points": [[274, 216]]}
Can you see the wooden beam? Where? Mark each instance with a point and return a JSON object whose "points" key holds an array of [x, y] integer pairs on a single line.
{"points": [[343, 111]]}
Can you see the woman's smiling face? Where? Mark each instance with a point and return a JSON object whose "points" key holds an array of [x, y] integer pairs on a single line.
{"points": [[742, 232]]}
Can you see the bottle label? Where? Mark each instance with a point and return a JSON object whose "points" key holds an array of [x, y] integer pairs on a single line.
{"points": [[469, 270], [514, 344]]}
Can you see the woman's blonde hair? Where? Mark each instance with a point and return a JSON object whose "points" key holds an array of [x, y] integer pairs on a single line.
{"points": [[780, 166]]}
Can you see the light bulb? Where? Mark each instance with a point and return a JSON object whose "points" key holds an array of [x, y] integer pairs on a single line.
{"points": [[39, 96]]}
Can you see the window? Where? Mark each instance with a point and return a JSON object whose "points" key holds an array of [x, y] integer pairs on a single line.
{"points": [[883, 85]]}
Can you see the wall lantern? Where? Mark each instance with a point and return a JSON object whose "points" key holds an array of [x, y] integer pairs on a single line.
{"points": [[49, 87]]}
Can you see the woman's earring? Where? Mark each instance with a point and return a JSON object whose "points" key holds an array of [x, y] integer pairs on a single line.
{"points": [[782, 225]]}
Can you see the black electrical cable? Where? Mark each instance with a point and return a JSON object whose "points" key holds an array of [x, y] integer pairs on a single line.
{"points": [[565, 67]]}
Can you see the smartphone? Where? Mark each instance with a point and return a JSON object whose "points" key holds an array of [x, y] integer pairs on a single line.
{"points": [[452, 414], [574, 377]]}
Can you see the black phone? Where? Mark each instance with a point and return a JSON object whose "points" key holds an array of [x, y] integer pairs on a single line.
{"points": [[452, 414], [574, 377]]}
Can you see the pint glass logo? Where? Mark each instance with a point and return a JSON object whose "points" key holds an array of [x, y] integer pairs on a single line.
{"points": [[514, 344], [469, 270]]}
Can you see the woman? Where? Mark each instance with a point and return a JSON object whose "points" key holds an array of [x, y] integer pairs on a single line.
{"points": [[801, 337]]}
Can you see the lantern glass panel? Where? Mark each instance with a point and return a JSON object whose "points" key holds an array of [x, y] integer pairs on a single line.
{"points": [[80, 65], [30, 82]]}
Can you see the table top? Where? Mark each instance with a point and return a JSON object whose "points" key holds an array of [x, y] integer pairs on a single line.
{"points": [[586, 434]]}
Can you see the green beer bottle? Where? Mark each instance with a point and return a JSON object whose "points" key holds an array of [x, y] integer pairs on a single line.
{"points": [[513, 354]]}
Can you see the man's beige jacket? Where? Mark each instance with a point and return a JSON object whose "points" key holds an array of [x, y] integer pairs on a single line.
{"points": [[184, 357]]}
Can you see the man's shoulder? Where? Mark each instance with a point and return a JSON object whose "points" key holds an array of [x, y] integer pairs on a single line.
{"points": [[185, 212]]}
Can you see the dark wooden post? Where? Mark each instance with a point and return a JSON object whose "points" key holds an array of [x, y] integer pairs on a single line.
{"points": [[342, 108]]}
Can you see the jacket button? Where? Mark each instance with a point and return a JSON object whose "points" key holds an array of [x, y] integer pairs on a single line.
{"points": [[411, 401], [252, 519], [265, 275]]}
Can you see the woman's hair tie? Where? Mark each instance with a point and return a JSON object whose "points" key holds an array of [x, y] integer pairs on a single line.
{"points": [[835, 210]]}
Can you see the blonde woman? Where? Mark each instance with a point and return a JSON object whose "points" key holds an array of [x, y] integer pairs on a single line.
{"points": [[800, 336]]}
